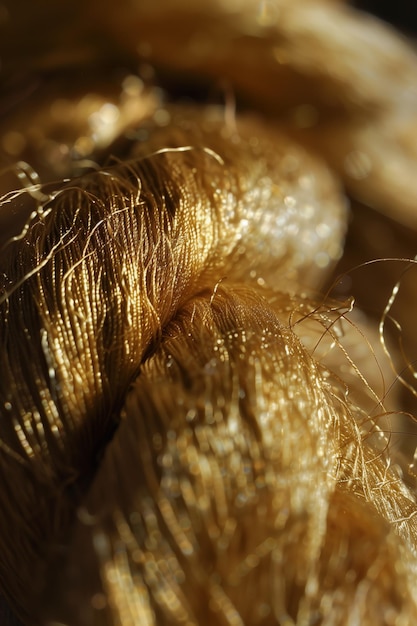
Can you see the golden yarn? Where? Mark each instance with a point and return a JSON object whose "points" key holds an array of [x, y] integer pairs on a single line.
{"points": [[234, 490], [179, 443]]}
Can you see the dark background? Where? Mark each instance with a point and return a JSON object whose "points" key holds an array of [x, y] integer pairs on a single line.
{"points": [[400, 13]]}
